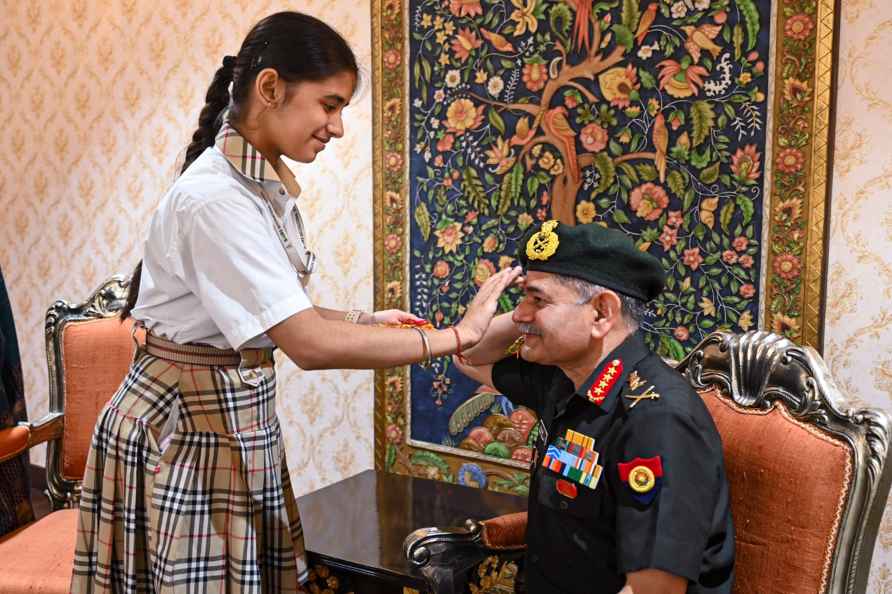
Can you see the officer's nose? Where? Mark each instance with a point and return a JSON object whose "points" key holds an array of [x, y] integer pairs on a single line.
{"points": [[523, 313]]}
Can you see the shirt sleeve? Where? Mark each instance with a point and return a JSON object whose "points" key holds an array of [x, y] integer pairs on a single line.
{"points": [[238, 269], [666, 528], [520, 381]]}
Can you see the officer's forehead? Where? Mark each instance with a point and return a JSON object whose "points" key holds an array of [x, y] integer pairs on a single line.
{"points": [[544, 283]]}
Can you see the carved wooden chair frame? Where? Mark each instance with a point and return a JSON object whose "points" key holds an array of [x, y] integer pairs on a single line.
{"points": [[105, 302]]}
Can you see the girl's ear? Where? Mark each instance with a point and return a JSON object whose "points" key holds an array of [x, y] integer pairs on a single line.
{"points": [[267, 87]]}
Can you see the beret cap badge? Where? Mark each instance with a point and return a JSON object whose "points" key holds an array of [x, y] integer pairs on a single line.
{"points": [[543, 245]]}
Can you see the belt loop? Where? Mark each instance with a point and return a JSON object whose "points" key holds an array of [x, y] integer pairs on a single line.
{"points": [[250, 371], [137, 348]]}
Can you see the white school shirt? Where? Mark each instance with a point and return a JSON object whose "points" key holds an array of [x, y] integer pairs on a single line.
{"points": [[214, 268]]}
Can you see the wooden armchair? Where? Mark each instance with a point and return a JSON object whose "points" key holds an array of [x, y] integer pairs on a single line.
{"points": [[88, 354], [809, 476]]}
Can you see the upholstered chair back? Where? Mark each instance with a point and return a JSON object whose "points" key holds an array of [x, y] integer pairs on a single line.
{"points": [[808, 476], [89, 351]]}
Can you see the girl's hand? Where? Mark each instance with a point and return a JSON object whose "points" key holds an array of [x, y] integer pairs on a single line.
{"points": [[483, 307]]}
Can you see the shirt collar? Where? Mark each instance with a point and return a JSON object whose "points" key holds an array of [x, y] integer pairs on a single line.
{"points": [[248, 161], [628, 353]]}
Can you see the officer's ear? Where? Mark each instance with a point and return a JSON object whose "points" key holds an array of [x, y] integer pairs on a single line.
{"points": [[607, 313]]}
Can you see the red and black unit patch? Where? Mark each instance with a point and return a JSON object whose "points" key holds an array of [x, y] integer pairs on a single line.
{"points": [[644, 476]]}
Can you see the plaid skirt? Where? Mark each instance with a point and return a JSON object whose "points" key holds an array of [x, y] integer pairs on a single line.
{"points": [[186, 488]]}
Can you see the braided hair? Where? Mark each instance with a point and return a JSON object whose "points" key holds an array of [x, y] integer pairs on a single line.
{"points": [[298, 46]]}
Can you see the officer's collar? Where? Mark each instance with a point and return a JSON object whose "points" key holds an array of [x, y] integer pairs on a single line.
{"points": [[612, 372]]}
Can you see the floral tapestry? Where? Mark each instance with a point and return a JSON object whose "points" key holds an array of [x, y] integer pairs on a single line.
{"points": [[697, 127]]}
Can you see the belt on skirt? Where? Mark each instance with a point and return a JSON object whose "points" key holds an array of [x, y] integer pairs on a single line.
{"points": [[202, 354]]}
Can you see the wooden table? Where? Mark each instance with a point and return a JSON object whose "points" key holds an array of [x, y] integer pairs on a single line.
{"points": [[358, 525]]}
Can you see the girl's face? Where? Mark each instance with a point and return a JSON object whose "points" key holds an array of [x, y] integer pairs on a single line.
{"points": [[310, 117]]}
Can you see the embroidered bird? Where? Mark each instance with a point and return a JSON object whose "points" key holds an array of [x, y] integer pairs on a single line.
{"points": [[583, 10], [646, 20], [497, 41], [556, 124], [701, 38], [660, 137]]}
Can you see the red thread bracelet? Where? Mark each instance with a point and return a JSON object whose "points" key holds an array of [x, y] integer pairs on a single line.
{"points": [[458, 344]]}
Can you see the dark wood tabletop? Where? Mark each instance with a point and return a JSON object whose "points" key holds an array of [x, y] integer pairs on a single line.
{"points": [[359, 524]]}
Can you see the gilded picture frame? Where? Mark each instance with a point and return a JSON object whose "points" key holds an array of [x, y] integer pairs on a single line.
{"points": [[742, 91]]}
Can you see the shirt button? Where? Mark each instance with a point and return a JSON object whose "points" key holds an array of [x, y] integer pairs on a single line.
{"points": [[282, 191], [563, 505]]}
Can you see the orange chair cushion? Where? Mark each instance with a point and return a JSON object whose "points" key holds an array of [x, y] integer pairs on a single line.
{"points": [[789, 482], [96, 355], [37, 558]]}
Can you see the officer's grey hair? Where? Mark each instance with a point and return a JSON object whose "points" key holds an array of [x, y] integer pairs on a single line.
{"points": [[631, 308]]}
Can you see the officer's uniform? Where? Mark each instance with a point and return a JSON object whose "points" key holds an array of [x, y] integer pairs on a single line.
{"points": [[629, 472]]}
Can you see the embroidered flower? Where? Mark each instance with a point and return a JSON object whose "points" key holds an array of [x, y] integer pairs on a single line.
{"points": [[585, 212], [449, 237], [790, 160], [796, 91], [445, 143], [669, 237], [524, 16], [534, 76], [462, 8], [692, 258], [729, 257], [490, 244], [594, 138], [745, 164], [740, 243], [482, 271], [618, 84], [681, 333], [391, 59], [799, 26], [681, 81], [441, 269], [453, 78], [648, 200], [787, 266], [495, 86], [462, 115], [392, 243], [393, 161], [464, 43], [675, 219]]}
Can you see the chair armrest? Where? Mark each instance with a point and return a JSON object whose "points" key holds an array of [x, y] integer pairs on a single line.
{"points": [[15, 440], [505, 533]]}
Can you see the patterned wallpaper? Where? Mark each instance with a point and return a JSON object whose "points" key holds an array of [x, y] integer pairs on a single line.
{"points": [[858, 326], [97, 99], [97, 105]]}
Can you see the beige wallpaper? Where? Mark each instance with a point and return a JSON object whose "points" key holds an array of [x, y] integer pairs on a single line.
{"points": [[858, 328], [97, 98]]}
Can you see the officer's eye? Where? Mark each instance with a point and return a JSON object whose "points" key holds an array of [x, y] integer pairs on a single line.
{"points": [[329, 107]]}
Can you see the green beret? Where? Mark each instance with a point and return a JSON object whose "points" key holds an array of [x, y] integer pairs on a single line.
{"points": [[602, 256]]}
